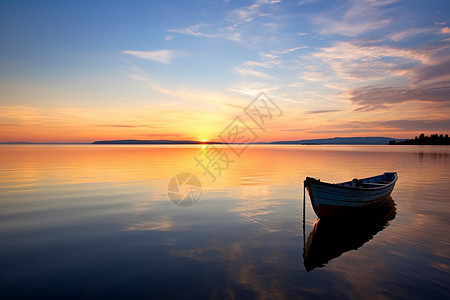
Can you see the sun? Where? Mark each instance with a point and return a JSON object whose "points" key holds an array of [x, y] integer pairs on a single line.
{"points": [[203, 140]]}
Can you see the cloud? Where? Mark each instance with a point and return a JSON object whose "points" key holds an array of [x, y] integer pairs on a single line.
{"points": [[162, 56], [127, 126], [322, 111], [290, 50], [303, 2], [379, 97], [254, 88], [295, 129], [361, 61], [245, 14], [161, 135], [341, 131], [268, 1], [250, 72], [234, 23], [261, 8], [437, 70], [418, 125], [20, 113], [267, 61], [355, 17], [210, 31], [195, 30], [375, 76], [188, 94], [46, 124], [118, 125], [401, 35], [385, 126], [445, 30]]}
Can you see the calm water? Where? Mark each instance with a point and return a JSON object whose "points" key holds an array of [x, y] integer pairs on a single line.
{"points": [[91, 222]]}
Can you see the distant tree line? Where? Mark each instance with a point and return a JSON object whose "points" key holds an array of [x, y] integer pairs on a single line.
{"points": [[434, 139]]}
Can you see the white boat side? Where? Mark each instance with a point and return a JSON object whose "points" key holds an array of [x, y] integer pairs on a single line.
{"points": [[329, 199]]}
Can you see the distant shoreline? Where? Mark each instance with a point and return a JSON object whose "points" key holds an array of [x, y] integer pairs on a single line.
{"points": [[333, 141], [421, 140], [327, 141]]}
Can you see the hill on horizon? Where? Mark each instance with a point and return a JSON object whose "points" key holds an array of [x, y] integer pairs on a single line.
{"points": [[331, 141], [370, 140]]}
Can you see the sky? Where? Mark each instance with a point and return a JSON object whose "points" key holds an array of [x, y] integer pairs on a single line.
{"points": [[80, 71]]}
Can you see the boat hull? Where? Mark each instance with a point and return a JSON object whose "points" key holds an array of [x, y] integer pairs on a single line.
{"points": [[333, 199]]}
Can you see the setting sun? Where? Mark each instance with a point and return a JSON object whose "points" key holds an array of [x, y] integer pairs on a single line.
{"points": [[203, 140]]}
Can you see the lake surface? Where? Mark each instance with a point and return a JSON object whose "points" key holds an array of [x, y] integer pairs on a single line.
{"points": [[96, 222]]}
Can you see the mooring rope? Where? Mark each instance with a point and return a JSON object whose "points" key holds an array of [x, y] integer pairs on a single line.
{"points": [[304, 226]]}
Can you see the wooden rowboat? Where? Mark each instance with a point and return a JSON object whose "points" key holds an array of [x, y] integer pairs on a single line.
{"points": [[330, 199]]}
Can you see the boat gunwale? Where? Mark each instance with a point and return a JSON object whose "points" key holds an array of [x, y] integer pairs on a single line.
{"points": [[312, 180]]}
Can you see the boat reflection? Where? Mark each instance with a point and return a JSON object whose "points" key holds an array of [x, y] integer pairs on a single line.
{"points": [[331, 237]]}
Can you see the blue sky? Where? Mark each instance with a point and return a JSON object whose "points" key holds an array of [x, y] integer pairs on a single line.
{"points": [[78, 71]]}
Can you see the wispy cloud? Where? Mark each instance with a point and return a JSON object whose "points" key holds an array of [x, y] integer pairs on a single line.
{"points": [[162, 56], [387, 127], [355, 17], [408, 33], [251, 72], [394, 125], [295, 129], [323, 111], [261, 8], [438, 70], [233, 25], [359, 61], [303, 2], [127, 126], [200, 98], [379, 97], [254, 88], [268, 60], [161, 135], [196, 30], [229, 32], [418, 125], [290, 50], [445, 30]]}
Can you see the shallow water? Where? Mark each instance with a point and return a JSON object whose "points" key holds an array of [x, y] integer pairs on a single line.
{"points": [[92, 221]]}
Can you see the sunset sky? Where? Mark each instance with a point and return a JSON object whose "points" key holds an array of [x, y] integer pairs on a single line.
{"points": [[80, 71]]}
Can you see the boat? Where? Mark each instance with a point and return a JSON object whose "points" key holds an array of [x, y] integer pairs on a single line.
{"points": [[332, 237], [329, 199]]}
